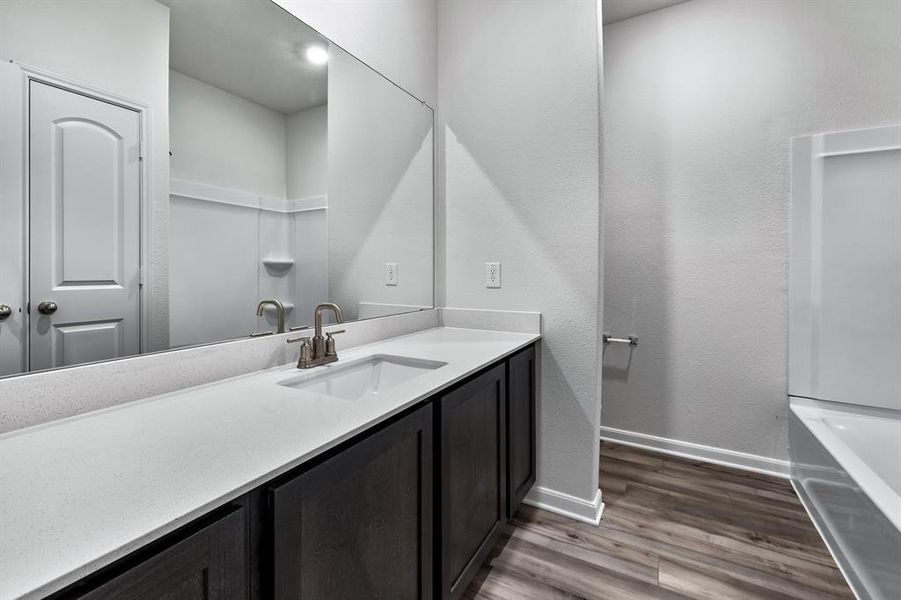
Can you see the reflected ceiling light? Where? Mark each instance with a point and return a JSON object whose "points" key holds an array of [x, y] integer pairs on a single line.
{"points": [[316, 55]]}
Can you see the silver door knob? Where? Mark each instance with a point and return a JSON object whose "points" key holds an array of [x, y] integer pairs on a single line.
{"points": [[47, 307], [5, 312]]}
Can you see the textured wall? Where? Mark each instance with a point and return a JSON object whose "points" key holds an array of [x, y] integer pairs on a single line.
{"points": [[398, 39], [518, 108], [701, 102], [379, 189]]}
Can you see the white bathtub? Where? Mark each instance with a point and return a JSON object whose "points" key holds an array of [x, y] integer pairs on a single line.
{"points": [[846, 468]]}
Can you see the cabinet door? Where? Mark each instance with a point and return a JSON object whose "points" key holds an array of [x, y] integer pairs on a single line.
{"points": [[521, 429], [210, 564], [473, 480], [359, 525]]}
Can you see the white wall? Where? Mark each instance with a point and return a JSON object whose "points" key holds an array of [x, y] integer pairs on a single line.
{"points": [[120, 47], [395, 37], [306, 154], [215, 266], [220, 139], [380, 189], [701, 102], [518, 109], [243, 150], [311, 266], [845, 268], [398, 39], [216, 277], [307, 158]]}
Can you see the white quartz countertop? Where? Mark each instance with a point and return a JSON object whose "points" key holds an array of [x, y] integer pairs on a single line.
{"points": [[79, 493]]}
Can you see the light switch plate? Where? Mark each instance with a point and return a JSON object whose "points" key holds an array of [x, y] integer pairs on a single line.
{"points": [[492, 274], [390, 273]]}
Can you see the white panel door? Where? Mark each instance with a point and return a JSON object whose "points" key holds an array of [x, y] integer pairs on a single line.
{"points": [[845, 320], [84, 196]]}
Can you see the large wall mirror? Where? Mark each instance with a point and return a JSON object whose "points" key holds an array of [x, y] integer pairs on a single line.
{"points": [[168, 165]]}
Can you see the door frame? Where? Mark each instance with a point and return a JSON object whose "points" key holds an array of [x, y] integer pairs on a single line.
{"points": [[14, 143]]}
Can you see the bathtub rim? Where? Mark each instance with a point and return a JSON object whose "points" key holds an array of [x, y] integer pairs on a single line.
{"points": [[810, 412]]}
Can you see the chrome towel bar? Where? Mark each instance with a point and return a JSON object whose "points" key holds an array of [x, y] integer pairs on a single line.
{"points": [[632, 340]]}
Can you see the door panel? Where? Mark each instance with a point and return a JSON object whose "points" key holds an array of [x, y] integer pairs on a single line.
{"points": [[211, 564], [359, 525], [84, 177], [473, 477], [88, 234], [75, 344], [521, 427]]}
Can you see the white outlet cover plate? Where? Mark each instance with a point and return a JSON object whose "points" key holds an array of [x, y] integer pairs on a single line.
{"points": [[390, 273], [492, 274]]}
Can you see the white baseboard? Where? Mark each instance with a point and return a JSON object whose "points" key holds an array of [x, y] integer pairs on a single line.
{"points": [[718, 456], [566, 505]]}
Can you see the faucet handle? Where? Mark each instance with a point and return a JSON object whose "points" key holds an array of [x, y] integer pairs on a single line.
{"points": [[330, 342], [306, 351]]}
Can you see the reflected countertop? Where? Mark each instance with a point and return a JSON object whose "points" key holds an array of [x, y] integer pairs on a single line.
{"points": [[79, 493]]}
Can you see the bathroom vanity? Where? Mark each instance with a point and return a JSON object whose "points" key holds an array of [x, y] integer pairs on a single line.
{"points": [[149, 445], [388, 474]]}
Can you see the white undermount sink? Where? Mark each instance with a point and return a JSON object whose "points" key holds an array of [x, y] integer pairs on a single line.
{"points": [[362, 378]]}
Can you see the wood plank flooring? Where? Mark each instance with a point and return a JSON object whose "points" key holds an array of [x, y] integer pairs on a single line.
{"points": [[671, 528]]}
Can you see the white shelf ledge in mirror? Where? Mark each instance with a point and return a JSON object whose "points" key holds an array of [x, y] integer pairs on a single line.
{"points": [[278, 263], [192, 190]]}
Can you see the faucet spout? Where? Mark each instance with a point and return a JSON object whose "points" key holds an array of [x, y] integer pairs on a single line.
{"points": [[279, 312], [339, 316], [318, 341]]}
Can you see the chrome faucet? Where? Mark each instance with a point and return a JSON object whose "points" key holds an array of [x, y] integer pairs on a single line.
{"points": [[279, 312], [320, 350]]}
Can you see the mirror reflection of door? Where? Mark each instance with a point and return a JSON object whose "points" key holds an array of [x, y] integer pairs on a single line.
{"points": [[85, 223], [275, 166]]}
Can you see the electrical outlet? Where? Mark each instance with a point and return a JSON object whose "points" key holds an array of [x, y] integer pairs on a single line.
{"points": [[390, 273], [492, 274]]}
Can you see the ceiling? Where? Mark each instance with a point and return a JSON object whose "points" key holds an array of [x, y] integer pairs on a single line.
{"points": [[253, 49], [617, 10]]}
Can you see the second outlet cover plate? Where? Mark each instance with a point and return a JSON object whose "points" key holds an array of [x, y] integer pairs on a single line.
{"points": [[492, 274], [390, 273]]}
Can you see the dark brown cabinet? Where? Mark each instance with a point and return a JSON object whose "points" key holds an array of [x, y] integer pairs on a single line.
{"points": [[521, 427], [472, 497], [406, 510], [359, 525], [209, 564]]}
